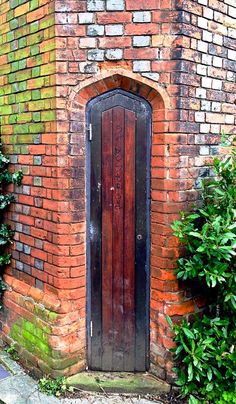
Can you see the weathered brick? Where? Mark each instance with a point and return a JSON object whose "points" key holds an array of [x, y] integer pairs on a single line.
{"points": [[141, 66], [114, 30], [96, 54], [115, 5], [141, 41], [142, 16], [96, 5], [95, 30], [114, 54], [86, 18]]}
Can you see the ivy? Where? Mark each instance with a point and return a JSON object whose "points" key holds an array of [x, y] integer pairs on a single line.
{"points": [[206, 347], [6, 232]]}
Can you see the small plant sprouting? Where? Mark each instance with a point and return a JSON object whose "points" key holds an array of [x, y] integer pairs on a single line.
{"points": [[11, 350], [54, 387]]}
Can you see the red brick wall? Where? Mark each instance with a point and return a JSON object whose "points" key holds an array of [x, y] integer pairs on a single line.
{"points": [[180, 55]]}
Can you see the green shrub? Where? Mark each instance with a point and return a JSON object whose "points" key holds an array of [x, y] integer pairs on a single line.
{"points": [[6, 233], [205, 348]]}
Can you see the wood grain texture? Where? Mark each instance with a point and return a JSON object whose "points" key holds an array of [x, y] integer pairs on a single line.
{"points": [[120, 242]]}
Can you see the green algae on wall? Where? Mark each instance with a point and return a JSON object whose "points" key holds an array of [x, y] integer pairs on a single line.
{"points": [[27, 59]]}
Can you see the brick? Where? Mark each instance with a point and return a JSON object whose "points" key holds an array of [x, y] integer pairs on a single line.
{"points": [[152, 76], [142, 5], [141, 66], [86, 18], [202, 23], [114, 54], [141, 41], [95, 30], [96, 5], [114, 30], [88, 42], [96, 54], [142, 16], [207, 36], [113, 5]]}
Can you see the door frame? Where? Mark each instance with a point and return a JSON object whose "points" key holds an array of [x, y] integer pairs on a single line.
{"points": [[89, 106]]}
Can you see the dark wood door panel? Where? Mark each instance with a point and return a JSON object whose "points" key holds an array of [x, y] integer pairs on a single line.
{"points": [[118, 241]]}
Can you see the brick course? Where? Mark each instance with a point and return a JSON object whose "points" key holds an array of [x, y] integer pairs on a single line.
{"points": [[55, 56]]}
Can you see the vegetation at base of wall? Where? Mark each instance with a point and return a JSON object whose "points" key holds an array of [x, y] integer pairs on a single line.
{"points": [[55, 387], [205, 350], [6, 233], [11, 350]]}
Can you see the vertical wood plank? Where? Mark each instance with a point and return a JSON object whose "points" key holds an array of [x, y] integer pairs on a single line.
{"points": [[107, 245], [141, 242], [118, 236], [95, 242], [129, 242]]}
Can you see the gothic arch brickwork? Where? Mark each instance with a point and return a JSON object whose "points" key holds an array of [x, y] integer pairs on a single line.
{"points": [[55, 56]]}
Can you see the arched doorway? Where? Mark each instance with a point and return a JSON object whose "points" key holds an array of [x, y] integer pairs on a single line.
{"points": [[118, 232]]}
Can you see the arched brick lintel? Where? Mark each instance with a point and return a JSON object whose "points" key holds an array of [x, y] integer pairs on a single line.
{"points": [[120, 78]]}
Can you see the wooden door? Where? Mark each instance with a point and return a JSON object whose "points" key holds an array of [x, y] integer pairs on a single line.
{"points": [[118, 232]]}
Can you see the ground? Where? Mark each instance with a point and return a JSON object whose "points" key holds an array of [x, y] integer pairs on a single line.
{"points": [[18, 387]]}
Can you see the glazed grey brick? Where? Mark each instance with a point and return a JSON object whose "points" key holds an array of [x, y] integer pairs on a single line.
{"points": [[88, 67], [13, 159], [26, 190], [19, 246], [96, 5], [141, 65], [207, 59], [141, 41], [207, 36], [38, 264], [38, 243], [205, 105], [38, 181], [19, 265], [95, 30], [114, 30], [114, 54], [115, 5], [26, 229], [216, 107], [86, 18], [152, 76], [37, 160], [204, 150], [96, 54], [27, 249], [26, 210], [39, 284], [217, 84], [27, 269], [201, 93], [202, 70], [205, 127], [142, 16], [206, 82]]}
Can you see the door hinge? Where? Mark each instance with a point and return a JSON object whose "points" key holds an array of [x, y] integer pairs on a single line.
{"points": [[90, 132], [91, 328]]}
